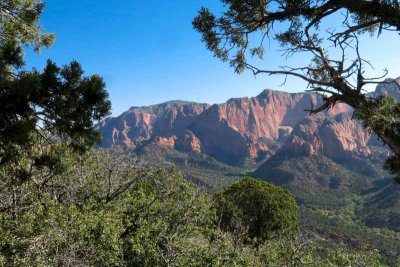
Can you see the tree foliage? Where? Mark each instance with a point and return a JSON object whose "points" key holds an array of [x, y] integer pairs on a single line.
{"points": [[256, 211], [336, 71], [42, 107], [20, 25], [106, 209]]}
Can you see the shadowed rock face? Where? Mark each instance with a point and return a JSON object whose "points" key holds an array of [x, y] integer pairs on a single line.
{"points": [[189, 142], [129, 129], [176, 119], [218, 137], [337, 137], [241, 128], [389, 87]]}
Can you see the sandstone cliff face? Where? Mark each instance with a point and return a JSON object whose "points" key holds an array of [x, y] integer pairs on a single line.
{"points": [[165, 141], [262, 116], [176, 119], [219, 139], [337, 137], [189, 142], [140, 124], [233, 129], [240, 128], [236, 127], [129, 129]]}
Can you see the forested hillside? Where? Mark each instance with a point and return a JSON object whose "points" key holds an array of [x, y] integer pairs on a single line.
{"points": [[255, 181]]}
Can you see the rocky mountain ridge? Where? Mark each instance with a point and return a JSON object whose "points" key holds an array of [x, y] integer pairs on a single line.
{"points": [[244, 128]]}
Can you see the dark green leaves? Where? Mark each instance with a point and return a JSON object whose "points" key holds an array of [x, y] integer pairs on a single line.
{"points": [[42, 108], [58, 103], [73, 103], [20, 23], [382, 114], [257, 211]]}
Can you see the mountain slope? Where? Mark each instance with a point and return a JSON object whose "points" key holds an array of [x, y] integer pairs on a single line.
{"points": [[232, 132]]}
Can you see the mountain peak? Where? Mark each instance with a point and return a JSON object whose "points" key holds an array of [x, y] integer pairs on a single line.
{"points": [[388, 87]]}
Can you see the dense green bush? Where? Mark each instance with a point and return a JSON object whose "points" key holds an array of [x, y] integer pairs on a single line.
{"points": [[257, 211]]}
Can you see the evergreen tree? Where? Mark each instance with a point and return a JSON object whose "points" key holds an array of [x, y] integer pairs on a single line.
{"points": [[255, 211], [39, 108]]}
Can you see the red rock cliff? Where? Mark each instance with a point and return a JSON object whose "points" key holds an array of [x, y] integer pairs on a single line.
{"points": [[238, 129], [338, 137]]}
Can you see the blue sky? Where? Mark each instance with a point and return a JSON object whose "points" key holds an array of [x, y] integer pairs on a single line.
{"points": [[148, 52]]}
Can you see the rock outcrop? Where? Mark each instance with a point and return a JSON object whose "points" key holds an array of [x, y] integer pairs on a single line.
{"points": [[244, 127], [338, 137], [236, 127], [165, 141], [189, 142], [129, 129], [141, 124], [176, 119]]}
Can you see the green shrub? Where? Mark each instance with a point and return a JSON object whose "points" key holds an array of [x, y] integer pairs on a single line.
{"points": [[256, 211]]}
